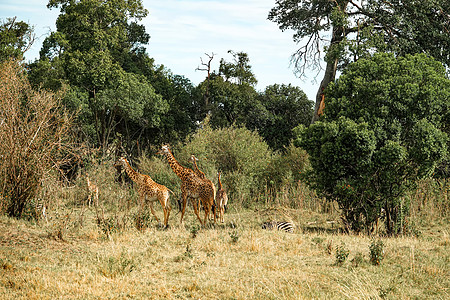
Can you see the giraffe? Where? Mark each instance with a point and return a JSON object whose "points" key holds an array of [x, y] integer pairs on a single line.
{"points": [[202, 176], [196, 170], [149, 190], [222, 199], [92, 191], [192, 186]]}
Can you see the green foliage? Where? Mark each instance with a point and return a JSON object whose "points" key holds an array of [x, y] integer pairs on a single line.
{"points": [[381, 131], [282, 108], [228, 102], [357, 260], [194, 230], [285, 168], [342, 253], [239, 70], [98, 51], [376, 254], [234, 235], [16, 37], [238, 153], [112, 266], [384, 26]]}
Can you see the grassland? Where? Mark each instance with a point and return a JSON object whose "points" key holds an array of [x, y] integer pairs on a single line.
{"points": [[71, 257]]}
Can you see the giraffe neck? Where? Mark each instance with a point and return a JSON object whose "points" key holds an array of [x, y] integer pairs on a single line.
{"points": [[174, 164], [199, 173], [134, 175], [220, 183]]}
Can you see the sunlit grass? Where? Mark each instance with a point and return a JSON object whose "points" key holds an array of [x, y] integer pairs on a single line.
{"points": [[72, 256]]}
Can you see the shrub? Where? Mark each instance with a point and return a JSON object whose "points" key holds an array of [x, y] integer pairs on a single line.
{"points": [[33, 137], [240, 154], [341, 254], [376, 252]]}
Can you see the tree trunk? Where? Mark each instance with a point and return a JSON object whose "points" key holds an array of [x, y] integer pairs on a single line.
{"points": [[330, 71]]}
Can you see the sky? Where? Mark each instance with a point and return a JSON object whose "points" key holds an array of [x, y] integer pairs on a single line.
{"points": [[182, 31]]}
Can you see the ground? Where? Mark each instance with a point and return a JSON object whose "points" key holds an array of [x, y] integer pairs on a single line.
{"points": [[70, 257]]}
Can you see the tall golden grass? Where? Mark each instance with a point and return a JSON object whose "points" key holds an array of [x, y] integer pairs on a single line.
{"points": [[73, 256]]}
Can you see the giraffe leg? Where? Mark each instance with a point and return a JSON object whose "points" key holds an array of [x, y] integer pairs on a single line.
{"points": [[183, 196], [207, 209], [194, 204], [153, 212], [168, 209]]}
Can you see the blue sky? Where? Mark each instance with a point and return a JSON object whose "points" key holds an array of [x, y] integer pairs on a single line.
{"points": [[182, 31]]}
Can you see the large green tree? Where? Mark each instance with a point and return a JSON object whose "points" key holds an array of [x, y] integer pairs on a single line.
{"points": [[280, 108], [231, 92], [97, 53], [381, 131], [349, 30]]}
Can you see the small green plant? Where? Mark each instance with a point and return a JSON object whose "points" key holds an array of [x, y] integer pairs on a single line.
{"points": [[357, 260], [142, 220], [341, 254], [234, 235], [376, 252], [194, 231], [317, 240], [113, 266]]}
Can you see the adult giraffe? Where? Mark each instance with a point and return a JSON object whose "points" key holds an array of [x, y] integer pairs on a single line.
{"points": [[192, 186], [203, 177], [148, 190]]}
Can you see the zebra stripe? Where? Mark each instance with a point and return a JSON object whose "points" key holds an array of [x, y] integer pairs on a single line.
{"points": [[280, 226]]}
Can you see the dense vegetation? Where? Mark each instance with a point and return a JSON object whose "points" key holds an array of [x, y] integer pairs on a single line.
{"points": [[382, 130], [385, 124], [375, 162]]}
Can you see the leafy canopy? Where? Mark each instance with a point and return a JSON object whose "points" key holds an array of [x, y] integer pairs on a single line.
{"points": [[16, 37], [380, 133]]}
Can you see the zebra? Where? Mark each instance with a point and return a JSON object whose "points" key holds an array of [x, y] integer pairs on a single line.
{"points": [[280, 226]]}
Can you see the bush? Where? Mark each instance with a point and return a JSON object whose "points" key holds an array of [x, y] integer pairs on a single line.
{"points": [[376, 252], [240, 154], [33, 137], [341, 254]]}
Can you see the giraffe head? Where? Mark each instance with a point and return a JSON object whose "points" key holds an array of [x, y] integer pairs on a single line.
{"points": [[164, 150], [122, 161], [193, 158]]}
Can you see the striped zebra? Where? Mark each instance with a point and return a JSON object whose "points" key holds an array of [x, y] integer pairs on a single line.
{"points": [[280, 226]]}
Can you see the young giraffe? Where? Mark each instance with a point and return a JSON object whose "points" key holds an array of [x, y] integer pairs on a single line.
{"points": [[92, 191], [149, 190], [203, 176], [192, 186], [222, 199]]}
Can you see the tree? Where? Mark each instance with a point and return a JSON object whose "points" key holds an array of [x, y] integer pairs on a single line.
{"points": [[16, 37], [231, 92], [349, 30], [380, 133], [239, 70], [282, 108], [97, 50]]}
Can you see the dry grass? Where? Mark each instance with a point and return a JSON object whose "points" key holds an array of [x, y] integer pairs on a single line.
{"points": [[73, 257], [85, 263]]}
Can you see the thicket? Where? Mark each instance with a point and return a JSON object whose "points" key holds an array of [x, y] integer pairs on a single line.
{"points": [[251, 171], [34, 132]]}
